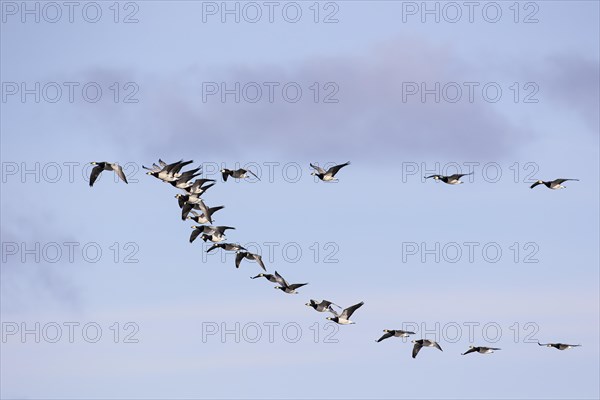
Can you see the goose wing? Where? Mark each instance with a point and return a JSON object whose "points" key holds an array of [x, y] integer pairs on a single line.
{"points": [[195, 234], [561, 180], [471, 350], [214, 246], [280, 279], [535, 184], [296, 285], [256, 176], [318, 169], [95, 174], [416, 349], [187, 207], [385, 336], [239, 257], [259, 260], [225, 173], [458, 176], [178, 166], [334, 170], [213, 210], [221, 229], [347, 313]]}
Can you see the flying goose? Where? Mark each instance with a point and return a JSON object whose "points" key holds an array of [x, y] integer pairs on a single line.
{"points": [[186, 208], [423, 343], [106, 166], [205, 217], [193, 187], [555, 184], [322, 306], [165, 166], [155, 168], [248, 256], [328, 175], [213, 237], [209, 232], [285, 286], [344, 317], [182, 182], [193, 198], [480, 350], [237, 173], [270, 277], [169, 172], [225, 246], [394, 333], [188, 203], [560, 346], [450, 179], [197, 187]]}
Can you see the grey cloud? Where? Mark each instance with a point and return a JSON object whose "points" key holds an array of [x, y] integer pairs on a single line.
{"points": [[575, 83], [25, 285], [370, 119]]}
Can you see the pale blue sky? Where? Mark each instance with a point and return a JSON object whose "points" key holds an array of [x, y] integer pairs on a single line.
{"points": [[170, 293]]}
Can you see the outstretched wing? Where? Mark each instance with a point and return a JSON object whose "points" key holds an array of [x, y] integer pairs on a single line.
{"points": [[254, 175], [318, 169], [202, 207], [213, 210], [385, 336], [334, 170], [187, 207], [120, 173], [95, 174], [225, 174], [535, 184], [561, 180], [471, 350], [153, 169], [347, 313], [280, 279], [203, 189], [195, 234], [239, 257], [437, 346], [260, 261], [178, 166], [214, 246], [296, 285], [416, 349], [458, 176], [222, 229]]}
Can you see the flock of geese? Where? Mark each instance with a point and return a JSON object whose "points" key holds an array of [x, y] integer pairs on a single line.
{"points": [[190, 202]]}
